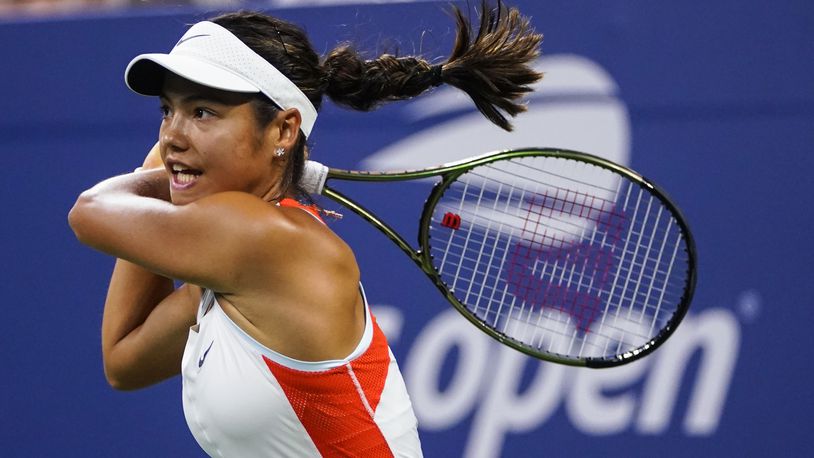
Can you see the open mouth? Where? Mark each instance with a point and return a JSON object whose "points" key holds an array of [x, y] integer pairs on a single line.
{"points": [[183, 176]]}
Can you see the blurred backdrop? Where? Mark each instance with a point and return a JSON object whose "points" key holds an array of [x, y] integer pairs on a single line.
{"points": [[712, 100]]}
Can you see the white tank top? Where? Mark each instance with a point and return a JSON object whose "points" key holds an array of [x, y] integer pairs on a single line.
{"points": [[242, 399]]}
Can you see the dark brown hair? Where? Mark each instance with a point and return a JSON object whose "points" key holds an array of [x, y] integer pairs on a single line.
{"points": [[491, 66]]}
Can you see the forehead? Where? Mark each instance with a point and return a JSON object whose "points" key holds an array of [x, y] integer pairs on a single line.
{"points": [[178, 88]]}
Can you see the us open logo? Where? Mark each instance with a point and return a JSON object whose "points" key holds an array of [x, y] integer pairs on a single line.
{"points": [[575, 107]]}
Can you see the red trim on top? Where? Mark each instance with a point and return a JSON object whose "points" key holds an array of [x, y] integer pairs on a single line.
{"points": [[329, 405], [312, 209]]}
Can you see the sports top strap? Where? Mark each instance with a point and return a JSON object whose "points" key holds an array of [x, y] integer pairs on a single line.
{"points": [[312, 209]]}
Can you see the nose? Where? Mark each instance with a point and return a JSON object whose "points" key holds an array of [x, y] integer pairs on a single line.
{"points": [[174, 136]]}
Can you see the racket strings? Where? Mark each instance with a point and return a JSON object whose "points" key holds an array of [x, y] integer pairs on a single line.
{"points": [[496, 296], [581, 277], [549, 242], [549, 258], [474, 266], [618, 255], [569, 227]]}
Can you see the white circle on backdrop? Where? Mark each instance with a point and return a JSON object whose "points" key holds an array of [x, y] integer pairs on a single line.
{"points": [[575, 106]]}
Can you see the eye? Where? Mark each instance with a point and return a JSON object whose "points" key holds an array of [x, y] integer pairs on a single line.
{"points": [[165, 111], [203, 113]]}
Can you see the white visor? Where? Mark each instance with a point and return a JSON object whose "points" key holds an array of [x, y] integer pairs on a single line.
{"points": [[210, 55]]}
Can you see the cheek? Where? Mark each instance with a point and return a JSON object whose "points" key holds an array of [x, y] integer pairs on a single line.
{"points": [[241, 170], [239, 140]]}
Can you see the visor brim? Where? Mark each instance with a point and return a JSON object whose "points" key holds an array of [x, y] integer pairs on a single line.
{"points": [[145, 74]]}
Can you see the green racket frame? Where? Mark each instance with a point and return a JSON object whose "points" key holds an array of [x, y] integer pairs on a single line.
{"points": [[449, 173]]}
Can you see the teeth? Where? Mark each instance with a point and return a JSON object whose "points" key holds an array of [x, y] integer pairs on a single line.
{"points": [[183, 175], [185, 178]]}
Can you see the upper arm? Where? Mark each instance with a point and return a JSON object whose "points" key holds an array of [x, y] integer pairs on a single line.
{"points": [[206, 242]]}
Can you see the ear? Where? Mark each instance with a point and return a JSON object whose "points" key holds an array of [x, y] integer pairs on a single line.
{"points": [[286, 128]]}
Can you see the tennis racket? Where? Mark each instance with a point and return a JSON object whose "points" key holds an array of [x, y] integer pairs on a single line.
{"points": [[565, 256]]}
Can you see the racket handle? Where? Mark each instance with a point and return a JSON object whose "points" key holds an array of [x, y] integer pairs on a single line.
{"points": [[313, 178]]}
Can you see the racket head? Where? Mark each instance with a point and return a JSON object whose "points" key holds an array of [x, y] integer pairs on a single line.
{"points": [[565, 256]]}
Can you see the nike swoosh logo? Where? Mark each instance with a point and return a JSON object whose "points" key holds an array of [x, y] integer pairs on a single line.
{"points": [[203, 357], [189, 38]]}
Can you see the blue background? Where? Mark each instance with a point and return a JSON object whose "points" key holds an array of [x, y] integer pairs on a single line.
{"points": [[720, 102]]}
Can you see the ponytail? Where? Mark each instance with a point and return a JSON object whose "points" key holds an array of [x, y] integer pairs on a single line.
{"points": [[492, 68]]}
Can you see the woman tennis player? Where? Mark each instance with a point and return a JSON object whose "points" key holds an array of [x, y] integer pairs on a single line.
{"points": [[271, 331]]}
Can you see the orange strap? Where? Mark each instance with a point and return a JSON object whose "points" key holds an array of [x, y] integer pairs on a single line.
{"points": [[312, 209]]}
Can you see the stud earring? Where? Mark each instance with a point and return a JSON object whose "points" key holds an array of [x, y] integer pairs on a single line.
{"points": [[279, 152]]}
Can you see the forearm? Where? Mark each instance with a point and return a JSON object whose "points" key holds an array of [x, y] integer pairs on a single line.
{"points": [[142, 183], [103, 214]]}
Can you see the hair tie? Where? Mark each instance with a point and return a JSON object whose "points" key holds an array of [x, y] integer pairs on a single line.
{"points": [[436, 75]]}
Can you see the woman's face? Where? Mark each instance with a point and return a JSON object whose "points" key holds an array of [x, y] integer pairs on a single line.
{"points": [[210, 142]]}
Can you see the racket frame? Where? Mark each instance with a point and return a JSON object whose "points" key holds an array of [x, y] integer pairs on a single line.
{"points": [[449, 173]]}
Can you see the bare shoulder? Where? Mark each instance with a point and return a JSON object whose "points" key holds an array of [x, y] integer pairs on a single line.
{"points": [[300, 292], [288, 243], [312, 241]]}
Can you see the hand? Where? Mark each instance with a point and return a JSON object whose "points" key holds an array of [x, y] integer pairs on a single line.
{"points": [[153, 159]]}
